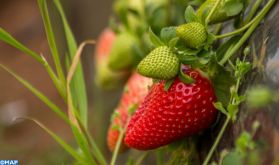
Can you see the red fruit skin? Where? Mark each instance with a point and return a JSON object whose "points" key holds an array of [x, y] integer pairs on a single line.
{"points": [[104, 44], [135, 91], [166, 116]]}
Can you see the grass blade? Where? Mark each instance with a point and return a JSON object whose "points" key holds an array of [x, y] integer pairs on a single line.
{"points": [[60, 141], [72, 45], [78, 85], [118, 143], [37, 93], [97, 153], [83, 144], [71, 109], [51, 39], [7, 38], [141, 158]]}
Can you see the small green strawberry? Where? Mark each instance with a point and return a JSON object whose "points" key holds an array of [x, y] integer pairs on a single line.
{"points": [[161, 63], [106, 78], [122, 56], [193, 34]]}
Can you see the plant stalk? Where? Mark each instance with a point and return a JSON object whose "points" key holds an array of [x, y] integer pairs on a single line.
{"points": [[253, 11], [119, 141], [240, 30], [217, 141], [247, 34]]}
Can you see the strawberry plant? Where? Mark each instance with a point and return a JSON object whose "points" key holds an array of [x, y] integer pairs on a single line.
{"points": [[196, 65]]}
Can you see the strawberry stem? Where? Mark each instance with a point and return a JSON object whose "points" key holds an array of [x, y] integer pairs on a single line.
{"points": [[229, 116], [253, 11], [216, 142], [240, 30], [248, 33], [118, 143]]}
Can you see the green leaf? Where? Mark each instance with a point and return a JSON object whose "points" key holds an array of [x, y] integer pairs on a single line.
{"points": [[96, 151], [59, 140], [210, 39], [51, 39], [187, 51], [220, 107], [79, 129], [173, 42], [221, 51], [196, 2], [132, 109], [242, 67], [138, 53], [233, 8], [205, 56], [157, 17], [71, 42], [168, 84], [232, 109], [154, 39], [233, 158], [37, 93], [83, 144], [78, 84], [121, 9], [244, 142], [168, 33], [190, 15], [222, 81], [187, 59]]}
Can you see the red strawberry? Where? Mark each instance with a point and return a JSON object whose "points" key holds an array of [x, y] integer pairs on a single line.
{"points": [[166, 116], [135, 91], [105, 77]]}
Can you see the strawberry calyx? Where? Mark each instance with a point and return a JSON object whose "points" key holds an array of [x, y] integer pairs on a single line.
{"points": [[184, 77]]}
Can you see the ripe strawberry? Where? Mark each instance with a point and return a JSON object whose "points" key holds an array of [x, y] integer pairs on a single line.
{"points": [[161, 63], [193, 34], [136, 89], [166, 116], [122, 56], [105, 77]]}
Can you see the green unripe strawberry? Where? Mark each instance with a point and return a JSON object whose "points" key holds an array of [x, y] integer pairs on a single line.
{"points": [[218, 16], [193, 34], [122, 57], [161, 63], [106, 78]]}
